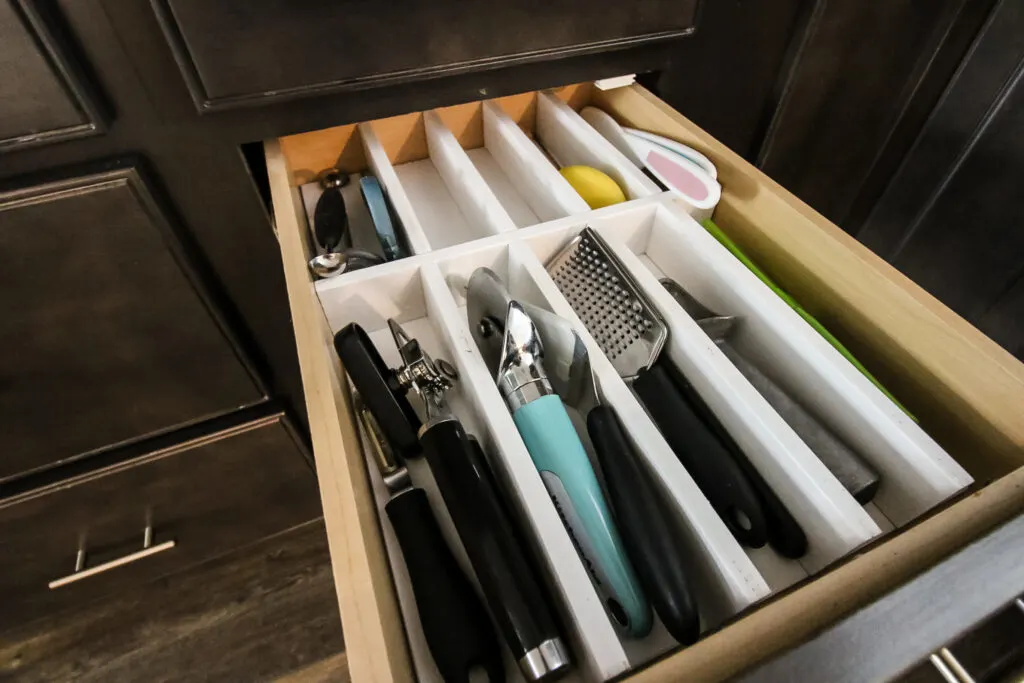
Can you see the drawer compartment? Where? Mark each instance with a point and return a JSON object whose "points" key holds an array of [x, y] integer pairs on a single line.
{"points": [[151, 516], [923, 467]]}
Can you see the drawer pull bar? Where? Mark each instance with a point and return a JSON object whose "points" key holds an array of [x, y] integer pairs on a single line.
{"points": [[82, 573]]}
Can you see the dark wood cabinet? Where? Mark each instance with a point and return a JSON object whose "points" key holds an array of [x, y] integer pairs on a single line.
{"points": [[209, 495], [235, 52], [105, 337], [44, 96]]}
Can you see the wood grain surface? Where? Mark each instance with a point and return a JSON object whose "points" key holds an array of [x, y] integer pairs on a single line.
{"points": [[264, 613], [210, 495], [378, 650]]}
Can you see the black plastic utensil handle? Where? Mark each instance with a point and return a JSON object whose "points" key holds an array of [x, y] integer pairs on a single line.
{"points": [[330, 220], [712, 467], [507, 578], [454, 621], [648, 527], [377, 386], [784, 533]]}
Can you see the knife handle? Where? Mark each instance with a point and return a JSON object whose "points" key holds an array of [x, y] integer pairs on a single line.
{"points": [[569, 477], [649, 529], [712, 467], [454, 621], [508, 580], [784, 533], [852, 471]]}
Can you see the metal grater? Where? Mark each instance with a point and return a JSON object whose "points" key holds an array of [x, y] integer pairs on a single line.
{"points": [[610, 303]]}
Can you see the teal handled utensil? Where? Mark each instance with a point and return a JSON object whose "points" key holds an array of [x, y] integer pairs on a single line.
{"points": [[510, 343]]}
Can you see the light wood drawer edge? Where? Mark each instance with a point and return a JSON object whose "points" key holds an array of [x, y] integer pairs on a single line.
{"points": [[372, 626], [966, 390]]}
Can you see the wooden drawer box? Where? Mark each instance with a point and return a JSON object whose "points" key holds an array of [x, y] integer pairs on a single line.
{"points": [[966, 391], [200, 498]]}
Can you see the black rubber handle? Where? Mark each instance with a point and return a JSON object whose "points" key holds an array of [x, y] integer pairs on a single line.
{"points": [[784, 533], [508, 580], [330, 220], [379, 389], [455, 623], [712, 467], [648, 526]]}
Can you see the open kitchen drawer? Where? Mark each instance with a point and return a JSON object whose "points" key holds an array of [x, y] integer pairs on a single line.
{"points": [[472, 190]]}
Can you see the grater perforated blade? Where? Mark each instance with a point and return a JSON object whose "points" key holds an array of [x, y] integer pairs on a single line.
{"points": [[610, 303]]}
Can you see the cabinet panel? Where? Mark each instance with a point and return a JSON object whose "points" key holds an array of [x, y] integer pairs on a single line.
{"points": [[209, 495], [237, 51], [104, 337], [43, 97]]}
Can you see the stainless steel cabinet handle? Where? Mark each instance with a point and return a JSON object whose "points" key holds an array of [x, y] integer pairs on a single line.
{"points": [[949, 667], [82, 573]]}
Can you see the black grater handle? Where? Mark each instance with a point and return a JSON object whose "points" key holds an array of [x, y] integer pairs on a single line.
{"points": [[712, 467], [784, 533]]}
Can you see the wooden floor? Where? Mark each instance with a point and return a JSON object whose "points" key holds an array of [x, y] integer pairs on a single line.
{"points": [[265, 613]]}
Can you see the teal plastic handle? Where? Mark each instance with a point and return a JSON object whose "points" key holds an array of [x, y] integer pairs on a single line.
{"points": [[569, 477]]}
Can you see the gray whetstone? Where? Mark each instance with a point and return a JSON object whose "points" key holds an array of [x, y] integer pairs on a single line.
{"points": [[849, 468]]}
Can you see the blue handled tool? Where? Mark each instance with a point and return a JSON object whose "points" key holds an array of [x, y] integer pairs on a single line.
{"points": [[510, 342]]}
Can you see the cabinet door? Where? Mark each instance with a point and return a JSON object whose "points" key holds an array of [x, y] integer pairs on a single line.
{"points": [[104, 338], [43, 97], [236, 51], [199, 499]]}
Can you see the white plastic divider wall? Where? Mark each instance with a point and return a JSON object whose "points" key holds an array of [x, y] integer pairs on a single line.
{"points": [[416, 292], [380, 166], [548, 194], [424, 329], [833, 521], [414, 288], [652, 237], [916, 473], [725, 579], [570, 140]]}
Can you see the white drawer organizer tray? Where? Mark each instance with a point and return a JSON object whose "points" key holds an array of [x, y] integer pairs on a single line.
{"points": [[505, 206]]}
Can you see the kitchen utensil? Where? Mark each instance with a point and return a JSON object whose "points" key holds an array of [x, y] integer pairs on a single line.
{"points": [[455, 624], [373, 195], [631, 333], [674, 146], [506, 577], [330, 220], [669, 168], [596, 187], [726, 242], [682, 177], [510, 344], [330, 231], [648, 526], [849, 468]]}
